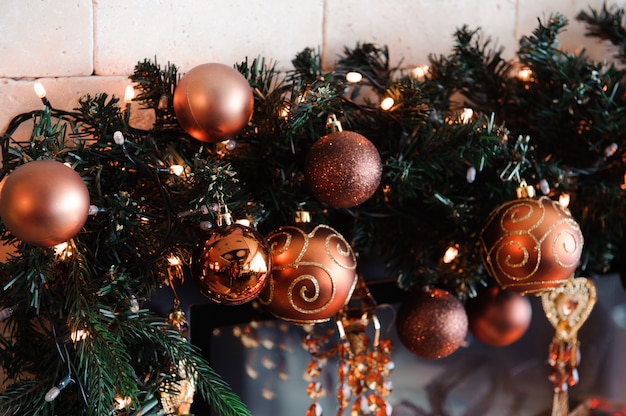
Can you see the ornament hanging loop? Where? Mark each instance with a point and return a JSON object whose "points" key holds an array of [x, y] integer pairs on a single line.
{"points": [[333, 125]]}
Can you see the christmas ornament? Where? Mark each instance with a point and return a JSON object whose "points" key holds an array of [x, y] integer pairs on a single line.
{"points": [[44, 203], [213, 102], [498, 317], [343, 168], [531, 245], [313, 273], [231, 264], [432, 323], [567, 308], [364, 364]]}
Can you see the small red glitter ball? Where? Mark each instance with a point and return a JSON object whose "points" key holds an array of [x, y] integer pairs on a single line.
{"points": [[432, 323]]}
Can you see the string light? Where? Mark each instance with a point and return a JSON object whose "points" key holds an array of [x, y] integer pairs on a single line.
{"points": [[41, 93], [79, 335], [544, 186], [466, 115], [134, 304], [54, 392], [354, 77], [387, 103], [470, 175], [177, 170], [451, 253], [122, 402], [610, 150], [525, 74], [420, 72], [564, 200], [129, 94], [118, 138]]}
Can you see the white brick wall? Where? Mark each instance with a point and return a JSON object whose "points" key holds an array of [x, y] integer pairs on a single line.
{"points": [[88, 46]]}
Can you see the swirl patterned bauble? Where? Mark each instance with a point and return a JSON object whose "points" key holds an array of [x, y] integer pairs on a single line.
{"points": [[231, 264], [313, 273], [531, 245], [432, 323], [343, 169], [213, 102], [44, 203]]}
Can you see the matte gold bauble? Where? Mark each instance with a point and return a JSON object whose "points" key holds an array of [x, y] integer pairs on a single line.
{"points": [[231, 264], [531, 245], [498, 317], [432, 323], [313, 273], [213, 102], [343, 169], [44, 203]]}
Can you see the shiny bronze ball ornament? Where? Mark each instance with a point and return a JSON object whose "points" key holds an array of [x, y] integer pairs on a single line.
{"points": [[231, 264], [432, 323], [531, 245], [498, 317], [44, 203], [313, 273], [343, 168], [213, 102]]}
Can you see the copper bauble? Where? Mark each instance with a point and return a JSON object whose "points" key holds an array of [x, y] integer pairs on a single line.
{"points": [[531, 245], [498, 317], [213, 102], [343, 169], [313, 273], [432, 323], [44, 203], [231, 264]]}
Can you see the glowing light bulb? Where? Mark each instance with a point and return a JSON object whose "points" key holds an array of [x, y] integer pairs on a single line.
{"points": [[79, 335], [174, 261], [564, 200], [420, 72], [387, 103], [450, 254], [177, 170], [525, 74], [466, 115], [39, 90], [129, 94], [354, 77]]}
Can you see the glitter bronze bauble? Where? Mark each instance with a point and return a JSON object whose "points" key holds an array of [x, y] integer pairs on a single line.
{"points": [[231, 264], [432, 323], [213, 102], [531, 245], [44, 203], [343, 169], [498, 317], [313, 273]]}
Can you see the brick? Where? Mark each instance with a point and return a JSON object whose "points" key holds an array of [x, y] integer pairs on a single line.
{"points": [[63, 93], [197, 31], [573, 39], [413, 29], [46, 38]]}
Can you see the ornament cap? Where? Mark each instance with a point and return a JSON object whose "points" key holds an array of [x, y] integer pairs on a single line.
{"points": [[303, 217], [524, 190], [333, 125]]}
